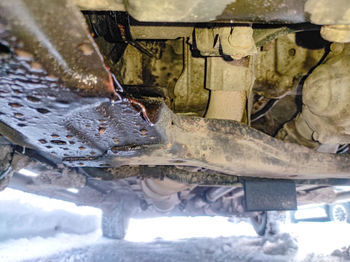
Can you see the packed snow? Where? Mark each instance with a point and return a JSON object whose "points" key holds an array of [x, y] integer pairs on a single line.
{"points": [[35, 228]]}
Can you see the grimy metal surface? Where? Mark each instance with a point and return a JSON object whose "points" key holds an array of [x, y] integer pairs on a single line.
{"points": [[55, 89], [269, 194], [264, 11], [57, 97]]}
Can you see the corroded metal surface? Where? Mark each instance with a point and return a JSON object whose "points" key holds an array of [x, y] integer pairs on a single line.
{"points": [[6, 157], [271, 11], [285, 11], [54, 33], [325, 113], [75, 122], [44, 95], [328, 12], [185, 175], [232, 148], [53, 119]]}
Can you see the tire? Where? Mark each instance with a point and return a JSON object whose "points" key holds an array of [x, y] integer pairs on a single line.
{"points": [[114, 222], [339, 213], [259, 222]]}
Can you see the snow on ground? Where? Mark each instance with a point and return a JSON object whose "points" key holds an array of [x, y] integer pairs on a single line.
{"points": [[162, 239], [44, 203], [222, 249], [174, 228], [32, 226], [320, 238], [36, 247], [26, 215], [242, 249]]}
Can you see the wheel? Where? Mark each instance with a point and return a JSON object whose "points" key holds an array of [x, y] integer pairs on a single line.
{"points": [[114, 222], [259, 222], [339, 213]]}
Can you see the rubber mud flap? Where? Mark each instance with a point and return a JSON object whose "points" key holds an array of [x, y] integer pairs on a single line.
{"points": [[269, 194]]}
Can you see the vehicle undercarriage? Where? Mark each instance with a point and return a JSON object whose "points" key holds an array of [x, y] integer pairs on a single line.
{"points": [[221, 108]]}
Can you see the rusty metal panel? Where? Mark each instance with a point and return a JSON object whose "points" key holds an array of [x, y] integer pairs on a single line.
{"points": [[53, 119], [56, 94], [55, 35], [46, 104]]}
